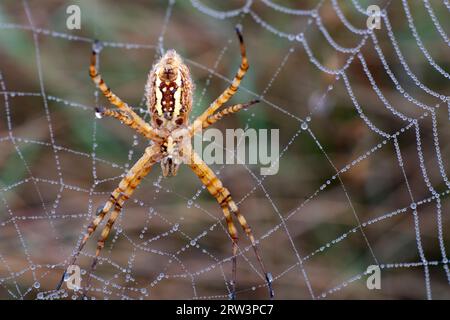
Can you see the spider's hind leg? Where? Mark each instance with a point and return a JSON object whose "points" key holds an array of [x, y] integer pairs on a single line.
{"points": [[133, 178], [223, 197], [106, 230], [100, 215], [231, 205], [118, 196], [234, 239]]}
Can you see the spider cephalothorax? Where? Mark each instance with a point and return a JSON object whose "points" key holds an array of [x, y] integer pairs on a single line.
{"points": [[176, 149], [169, 99]]}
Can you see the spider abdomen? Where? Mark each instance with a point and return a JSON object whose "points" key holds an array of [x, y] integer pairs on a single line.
{"points": [[169, 92]]}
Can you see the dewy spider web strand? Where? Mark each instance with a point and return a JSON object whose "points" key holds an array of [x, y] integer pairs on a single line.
{"points": [[301, 38]]}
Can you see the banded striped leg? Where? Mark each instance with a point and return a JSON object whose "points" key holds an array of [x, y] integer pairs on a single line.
{"points": [[223, 197], [150, 157], [124, 118], [227, 111], [112, 219], [138, 172], [113, 99], [231, 90]]}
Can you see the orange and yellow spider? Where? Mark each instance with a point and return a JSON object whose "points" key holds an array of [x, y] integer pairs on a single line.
{"points": [[169, 100]]}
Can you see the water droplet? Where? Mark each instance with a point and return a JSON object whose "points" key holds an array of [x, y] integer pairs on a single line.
{"points": [[37, 285], [97, 46], [99, 209]]}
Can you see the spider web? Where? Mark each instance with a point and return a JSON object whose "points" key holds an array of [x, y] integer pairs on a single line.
{"points": [[377, 198]]}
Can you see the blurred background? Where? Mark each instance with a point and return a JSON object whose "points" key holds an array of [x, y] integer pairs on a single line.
{"points": [[349, 178]]}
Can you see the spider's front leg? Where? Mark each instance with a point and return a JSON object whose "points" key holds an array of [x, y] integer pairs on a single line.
{"points": [[233, 87], [223, 197], [125, 113], [125, 189]]}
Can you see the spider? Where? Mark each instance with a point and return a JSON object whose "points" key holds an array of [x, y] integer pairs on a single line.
{"points": [[168, 94]]}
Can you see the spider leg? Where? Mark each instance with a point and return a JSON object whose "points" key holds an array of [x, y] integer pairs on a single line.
{"points": [[112, 98], [231, 205], [149, 157], [223, 197], [138, 172], [227, 111], [232, 88], [126, 119], [100, 215], [234, 239], [93, 226]]}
